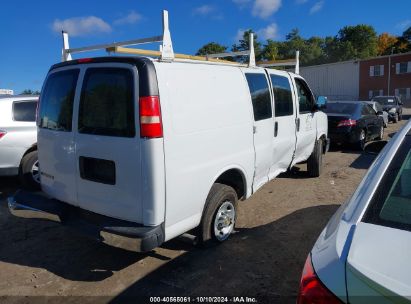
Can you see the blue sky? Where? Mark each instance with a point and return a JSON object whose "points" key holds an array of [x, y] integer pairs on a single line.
{"points": [[30, 41]]}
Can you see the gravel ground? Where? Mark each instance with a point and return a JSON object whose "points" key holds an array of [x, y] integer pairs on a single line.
{"points": [[275, 231]]}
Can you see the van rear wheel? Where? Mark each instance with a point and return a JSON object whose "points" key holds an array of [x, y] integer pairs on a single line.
{"points": [[29, 172], [314, 163], [219, 216]]}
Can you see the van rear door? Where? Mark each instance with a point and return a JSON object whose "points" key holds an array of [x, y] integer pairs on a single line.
{"points": [[108, 154], [55, 134], [263, 124], [284, 126]]}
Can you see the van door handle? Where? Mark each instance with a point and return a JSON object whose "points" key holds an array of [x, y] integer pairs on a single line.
{"points": [[297, 123], [275, 129]]}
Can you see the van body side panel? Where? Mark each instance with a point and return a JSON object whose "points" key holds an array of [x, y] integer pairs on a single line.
{"points": [[153, 181], [207, 122]]}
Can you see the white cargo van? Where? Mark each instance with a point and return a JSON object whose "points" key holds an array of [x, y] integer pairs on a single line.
{"points": [[136, 151]]}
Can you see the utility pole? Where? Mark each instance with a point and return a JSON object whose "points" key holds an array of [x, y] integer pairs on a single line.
{"points": [[389, 71]]}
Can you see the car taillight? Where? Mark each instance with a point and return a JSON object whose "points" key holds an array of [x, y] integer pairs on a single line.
{"points": [[347, 123], [150, 117], [312, 290], [2, 133]]}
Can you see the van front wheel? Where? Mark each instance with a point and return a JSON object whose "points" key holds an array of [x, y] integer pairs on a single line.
{"points": [[315, 160], [219, 216]]}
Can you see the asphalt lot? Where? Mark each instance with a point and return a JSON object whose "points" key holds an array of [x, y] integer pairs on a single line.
{"points": [[276, 229]]}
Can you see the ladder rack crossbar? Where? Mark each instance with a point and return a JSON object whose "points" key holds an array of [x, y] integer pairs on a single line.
{"points": [[111, 45], [230, 54]]}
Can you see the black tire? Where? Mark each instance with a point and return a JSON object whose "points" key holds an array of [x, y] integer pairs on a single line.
{"points": [[218, 195], [381, 134], [26, 173], [361, 142], [314, 162]]}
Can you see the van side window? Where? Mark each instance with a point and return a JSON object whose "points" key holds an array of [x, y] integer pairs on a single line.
{"points": [[107, 103], [305, 98], [56, 106], [260, 95], [24, 111], [283, 99]]}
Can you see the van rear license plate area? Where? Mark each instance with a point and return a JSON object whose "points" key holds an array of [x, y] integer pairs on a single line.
{"points": [[98, 170]]}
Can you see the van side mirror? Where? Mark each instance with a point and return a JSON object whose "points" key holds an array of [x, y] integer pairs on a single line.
{"points": [[321, 102]]}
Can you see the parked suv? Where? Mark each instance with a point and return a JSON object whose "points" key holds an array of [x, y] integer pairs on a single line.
{"points": [[18, 139], [392, 105], [138, 151]]}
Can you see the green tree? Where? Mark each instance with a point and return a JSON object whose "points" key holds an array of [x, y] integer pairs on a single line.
{"points": [[244, 45], [270, 50], [358, 41], [211, 48], [30, 92]]}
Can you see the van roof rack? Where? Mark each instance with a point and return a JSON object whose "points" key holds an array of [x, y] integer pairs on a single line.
{"points": [[166, 52], [283, 63]]}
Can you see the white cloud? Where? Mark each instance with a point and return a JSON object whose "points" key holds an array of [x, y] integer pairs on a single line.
{"points": [[269, 32], [204, 10], [81, 26], [403, 25], [265, 8], [316, 7], [132, 18]]}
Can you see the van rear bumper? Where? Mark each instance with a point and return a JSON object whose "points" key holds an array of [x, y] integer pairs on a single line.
{"points": [[118, 233]]}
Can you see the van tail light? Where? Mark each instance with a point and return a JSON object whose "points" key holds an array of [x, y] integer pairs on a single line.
{"points": [[347, 123], [312, 290], [2, 133], [151, 125]]}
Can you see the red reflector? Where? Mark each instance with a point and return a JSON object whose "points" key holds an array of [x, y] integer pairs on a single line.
{"points": [[2, 133], [150, 117], [312, 290], [347, 123], [84, 60]]}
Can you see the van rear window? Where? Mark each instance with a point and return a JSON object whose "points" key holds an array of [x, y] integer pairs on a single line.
{"points": [[260, 95], [56, 104], [24, 111], [107, 103]]}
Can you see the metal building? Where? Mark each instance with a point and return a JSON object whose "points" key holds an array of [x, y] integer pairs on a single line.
{"points": [[337, 81]]}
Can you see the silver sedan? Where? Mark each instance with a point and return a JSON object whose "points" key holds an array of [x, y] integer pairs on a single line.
{"points": [[18, 139], [363, 254]]}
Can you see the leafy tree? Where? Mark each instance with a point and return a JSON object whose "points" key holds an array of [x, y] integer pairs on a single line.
{"points": [[30, 92], [359, 41], [244, 45], [270, 50], [386, 43], [404, 42], [211, 48]]}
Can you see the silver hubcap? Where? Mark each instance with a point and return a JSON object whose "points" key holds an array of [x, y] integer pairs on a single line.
{"points": [[35, 172], [362, 136], [224, 221]]}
